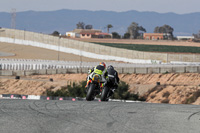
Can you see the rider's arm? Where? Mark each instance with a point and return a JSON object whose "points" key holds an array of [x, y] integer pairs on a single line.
{"points": [[91, 70], [106, 75]]}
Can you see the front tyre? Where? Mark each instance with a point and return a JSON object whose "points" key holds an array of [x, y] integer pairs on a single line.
{"points": [[90, 91], [104, 95]]}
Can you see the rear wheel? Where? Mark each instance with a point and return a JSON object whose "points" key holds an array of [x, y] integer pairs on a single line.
{"points": [[104, 95], [90, 92]]}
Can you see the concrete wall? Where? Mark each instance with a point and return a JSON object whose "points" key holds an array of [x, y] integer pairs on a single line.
{"points": [[144, 70], [94, 48]]}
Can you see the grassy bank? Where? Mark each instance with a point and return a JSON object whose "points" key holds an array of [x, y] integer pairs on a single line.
{"points": [[154, 48]]}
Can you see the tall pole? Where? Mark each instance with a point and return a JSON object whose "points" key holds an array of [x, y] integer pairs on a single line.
{"points": [[59, 47], [13, 19], [81, 58], [80, 62], [24, 34]]}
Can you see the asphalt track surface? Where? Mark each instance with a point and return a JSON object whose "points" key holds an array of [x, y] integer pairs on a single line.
{"points": [[42, 116]]}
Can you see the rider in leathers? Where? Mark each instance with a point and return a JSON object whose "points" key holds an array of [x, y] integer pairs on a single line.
{"points": [[99, 69], [112, 78]]}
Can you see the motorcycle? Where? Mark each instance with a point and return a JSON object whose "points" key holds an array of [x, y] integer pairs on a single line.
{"points": [[93, 87], [107, 91]]}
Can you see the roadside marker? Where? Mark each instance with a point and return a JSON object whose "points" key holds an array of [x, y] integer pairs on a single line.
{"points": [[61, 98], [73, 99], [48, 98]]}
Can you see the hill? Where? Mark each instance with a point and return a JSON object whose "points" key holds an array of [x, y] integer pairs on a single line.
{"points": [[66, 20]]}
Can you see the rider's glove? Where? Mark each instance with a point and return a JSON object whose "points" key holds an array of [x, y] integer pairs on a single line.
{"points": [[107, 78], [89, 71]]}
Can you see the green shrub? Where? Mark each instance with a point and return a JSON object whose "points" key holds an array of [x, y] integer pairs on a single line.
{"points": [[78, 90], [59, 93], [123, 94], [154, 48], [166, 72], [166, 94], [193, 98]]}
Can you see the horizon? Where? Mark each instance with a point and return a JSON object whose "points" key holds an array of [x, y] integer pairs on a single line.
{"points": [[97, 11], [170, 6]]}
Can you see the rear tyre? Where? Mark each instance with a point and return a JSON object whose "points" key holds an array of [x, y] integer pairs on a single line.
{"points": [[90, 91], [104, 95]]}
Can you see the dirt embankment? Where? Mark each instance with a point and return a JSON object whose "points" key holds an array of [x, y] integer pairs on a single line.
{"points": [[173, 88]]}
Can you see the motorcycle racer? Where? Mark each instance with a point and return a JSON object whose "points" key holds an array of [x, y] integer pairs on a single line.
{"points": [[113, 78], [100, 70]]}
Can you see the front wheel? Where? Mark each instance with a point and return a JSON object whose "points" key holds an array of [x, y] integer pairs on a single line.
{"points": [[90, 92], [104, 95]]}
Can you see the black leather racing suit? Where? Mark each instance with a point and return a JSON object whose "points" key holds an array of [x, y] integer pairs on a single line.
{"points": [[113, 78]]}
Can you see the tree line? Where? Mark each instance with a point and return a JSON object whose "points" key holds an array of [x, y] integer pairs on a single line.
{"points": [[134, 30]]}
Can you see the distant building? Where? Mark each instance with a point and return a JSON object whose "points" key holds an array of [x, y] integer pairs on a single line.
{"points": [[87, 33], [73, 34], [156, 36], [185, 37], [153, 36]]}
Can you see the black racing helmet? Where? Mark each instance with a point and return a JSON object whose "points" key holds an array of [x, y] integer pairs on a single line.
{"points": [[110, 67]]}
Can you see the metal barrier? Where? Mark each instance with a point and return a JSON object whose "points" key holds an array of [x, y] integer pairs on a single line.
{"points": [[29, 64], [136, 70]]}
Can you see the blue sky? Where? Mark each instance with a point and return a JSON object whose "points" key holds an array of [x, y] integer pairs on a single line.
{"points": [[161, 6]]}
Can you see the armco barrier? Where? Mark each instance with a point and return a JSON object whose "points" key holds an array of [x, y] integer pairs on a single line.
{"points": [[141, 70], [179, 69], [62, 71], [153, 70], [6, 72], [128, 70], [192, 69], [42, 71], [31, 72], [84, 70], [51, 71], [72, 70], [166, 70], [119, 70], [18, 73]]}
